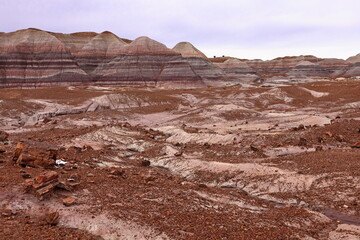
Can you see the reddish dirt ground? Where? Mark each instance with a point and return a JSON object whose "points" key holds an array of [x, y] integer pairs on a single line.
{"points": [[216, 163]]}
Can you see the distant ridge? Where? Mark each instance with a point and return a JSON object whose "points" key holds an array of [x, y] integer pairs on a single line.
{"points": [[36, 58]]}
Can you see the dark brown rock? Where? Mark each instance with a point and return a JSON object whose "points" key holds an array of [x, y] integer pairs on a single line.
{"points": [[302, 142], [340, 138], [145, 163], [3, 136], [356, 145], [2, 149], [117, 171], [51, 219]]}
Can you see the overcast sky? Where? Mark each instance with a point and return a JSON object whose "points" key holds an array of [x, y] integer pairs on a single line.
{"points": [[241, 28]]}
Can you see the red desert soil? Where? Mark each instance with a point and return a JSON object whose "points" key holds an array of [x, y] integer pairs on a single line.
{"points": [[214, 163]]}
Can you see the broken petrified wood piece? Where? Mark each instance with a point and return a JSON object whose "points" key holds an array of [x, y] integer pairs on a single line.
{"points": [[34, 157], [43, 185]]}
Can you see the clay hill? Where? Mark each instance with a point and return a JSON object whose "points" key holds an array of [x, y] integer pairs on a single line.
{"points": [[36, 58]]}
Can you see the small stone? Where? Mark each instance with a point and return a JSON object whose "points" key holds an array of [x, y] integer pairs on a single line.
{"points": [[329, 134], [145, 163], [340, 138], [26, 176], [117, 171], [52, 218], [149, 178], [46, 120], [7, 213], [319, 148], [356, 145], [301, 127], [2, 149], [254, 149], [69, 201], [302, 142], [3, 136]]}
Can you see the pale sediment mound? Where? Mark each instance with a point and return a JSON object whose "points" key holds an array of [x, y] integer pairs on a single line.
{"points": [[146, 46], [333, 62], [199, 63], [354, 59], [105, 44], [305, 63], [75, 41], [188, 50], [100, 49]]}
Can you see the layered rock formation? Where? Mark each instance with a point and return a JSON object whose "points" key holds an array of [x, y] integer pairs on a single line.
{"points": [[300, 67], [31, 58], [199, 63], [147, 62], [100, 49], [36, 58]]}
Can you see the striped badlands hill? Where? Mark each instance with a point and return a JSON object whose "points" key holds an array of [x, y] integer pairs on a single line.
{"points": [[148, 62], [35, 58], [31, 58], [200, 64], [237, 70]]}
